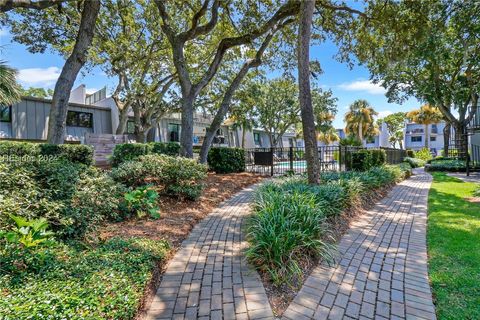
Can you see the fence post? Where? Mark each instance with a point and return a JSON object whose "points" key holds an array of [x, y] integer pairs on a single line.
{"points": [[271, 157], [339, 158], [290, 156]]}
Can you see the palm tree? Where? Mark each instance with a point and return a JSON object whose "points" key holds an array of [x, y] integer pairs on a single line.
{"points": [[426, 115], [360, 120], [9, 88], [326, 133], [328, 136]]}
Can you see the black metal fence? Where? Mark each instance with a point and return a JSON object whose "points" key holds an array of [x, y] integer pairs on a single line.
{"points": [[281, 161]]}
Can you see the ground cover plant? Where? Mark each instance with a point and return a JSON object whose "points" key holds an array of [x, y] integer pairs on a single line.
{"points": [[423, 154], [77, 281], [453, 240]]}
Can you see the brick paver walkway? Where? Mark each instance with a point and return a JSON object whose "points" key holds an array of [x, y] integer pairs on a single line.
{"points": [[208, 278], [382, 268], [381, 271]]}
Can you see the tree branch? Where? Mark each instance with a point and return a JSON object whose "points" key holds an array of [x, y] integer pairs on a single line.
{"points": [[7, 5]]}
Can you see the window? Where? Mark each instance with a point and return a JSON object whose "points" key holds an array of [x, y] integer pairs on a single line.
{"points": [[370, 140], [174, 132], [434, 129], [433, 138], [5, 113], [416, 139], [80, 119], [256, 139], [130, 127]]}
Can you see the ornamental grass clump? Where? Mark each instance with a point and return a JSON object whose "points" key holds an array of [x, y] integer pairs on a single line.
{"points": [[287, 227], [291, 226]]}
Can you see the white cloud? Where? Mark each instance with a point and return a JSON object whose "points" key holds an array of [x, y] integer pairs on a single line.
{"points": [[363, 85], [43, 77], [91, 90], [4, 33], [383, 114]]}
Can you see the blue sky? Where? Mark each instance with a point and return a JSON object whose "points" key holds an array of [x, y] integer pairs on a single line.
{"points": [[42, 70]]}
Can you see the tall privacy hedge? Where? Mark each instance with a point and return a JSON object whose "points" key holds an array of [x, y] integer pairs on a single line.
{"points": [[76, 153], [226, 160], [130, 151], [365, 159]]}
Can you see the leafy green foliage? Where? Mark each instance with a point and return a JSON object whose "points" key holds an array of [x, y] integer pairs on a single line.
{"points": [[143, 201], [77, 281], [350, 140], [365, 159], [395, 123], [290, 217], [131, 151], [453, 240], [452, 165], [73, 198], [76, 153], [226, 160], [175, 176], [28, 233], [423, 154], [410, 153], [414, 162]]}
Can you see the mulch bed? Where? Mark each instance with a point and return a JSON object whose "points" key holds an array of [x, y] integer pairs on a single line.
{"points": [[280, 297], [179, 216]]}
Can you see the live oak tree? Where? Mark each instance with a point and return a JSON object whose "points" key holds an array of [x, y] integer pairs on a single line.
{"points": [[130, 47], [37, 92], [39, 29], [324, 110], [7, 5], [200, 33], [429, 50]]}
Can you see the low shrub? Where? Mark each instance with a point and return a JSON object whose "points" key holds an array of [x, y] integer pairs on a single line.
{"points": [[78, 281], [410, 153], [414, 162], [143, 201], [130, 151], [365, 159], [178, 176], [451, 165], [77, 153], [72, 197], [168, 148], [423, 154], [226, 160]]}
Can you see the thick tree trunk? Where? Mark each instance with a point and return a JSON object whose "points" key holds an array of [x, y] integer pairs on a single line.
{"points": [[122, 121], [446, 139], [305, 96], [186, 136], [76, 60]]}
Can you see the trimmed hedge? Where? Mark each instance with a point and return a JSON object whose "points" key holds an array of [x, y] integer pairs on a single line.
{"points": [[363, 160], [76, 153], [226, 160], [449, 165], [410, 153], [131, 151]]}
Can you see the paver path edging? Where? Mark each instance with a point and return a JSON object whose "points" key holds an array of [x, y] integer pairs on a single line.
{"points": [[382, 267], [381, 270]]}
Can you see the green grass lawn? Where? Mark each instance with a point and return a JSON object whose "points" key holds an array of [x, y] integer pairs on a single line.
{"points": [[454, 248]]}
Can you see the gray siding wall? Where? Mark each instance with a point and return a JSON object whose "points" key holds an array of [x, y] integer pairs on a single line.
{"points": [[30, 120]]}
